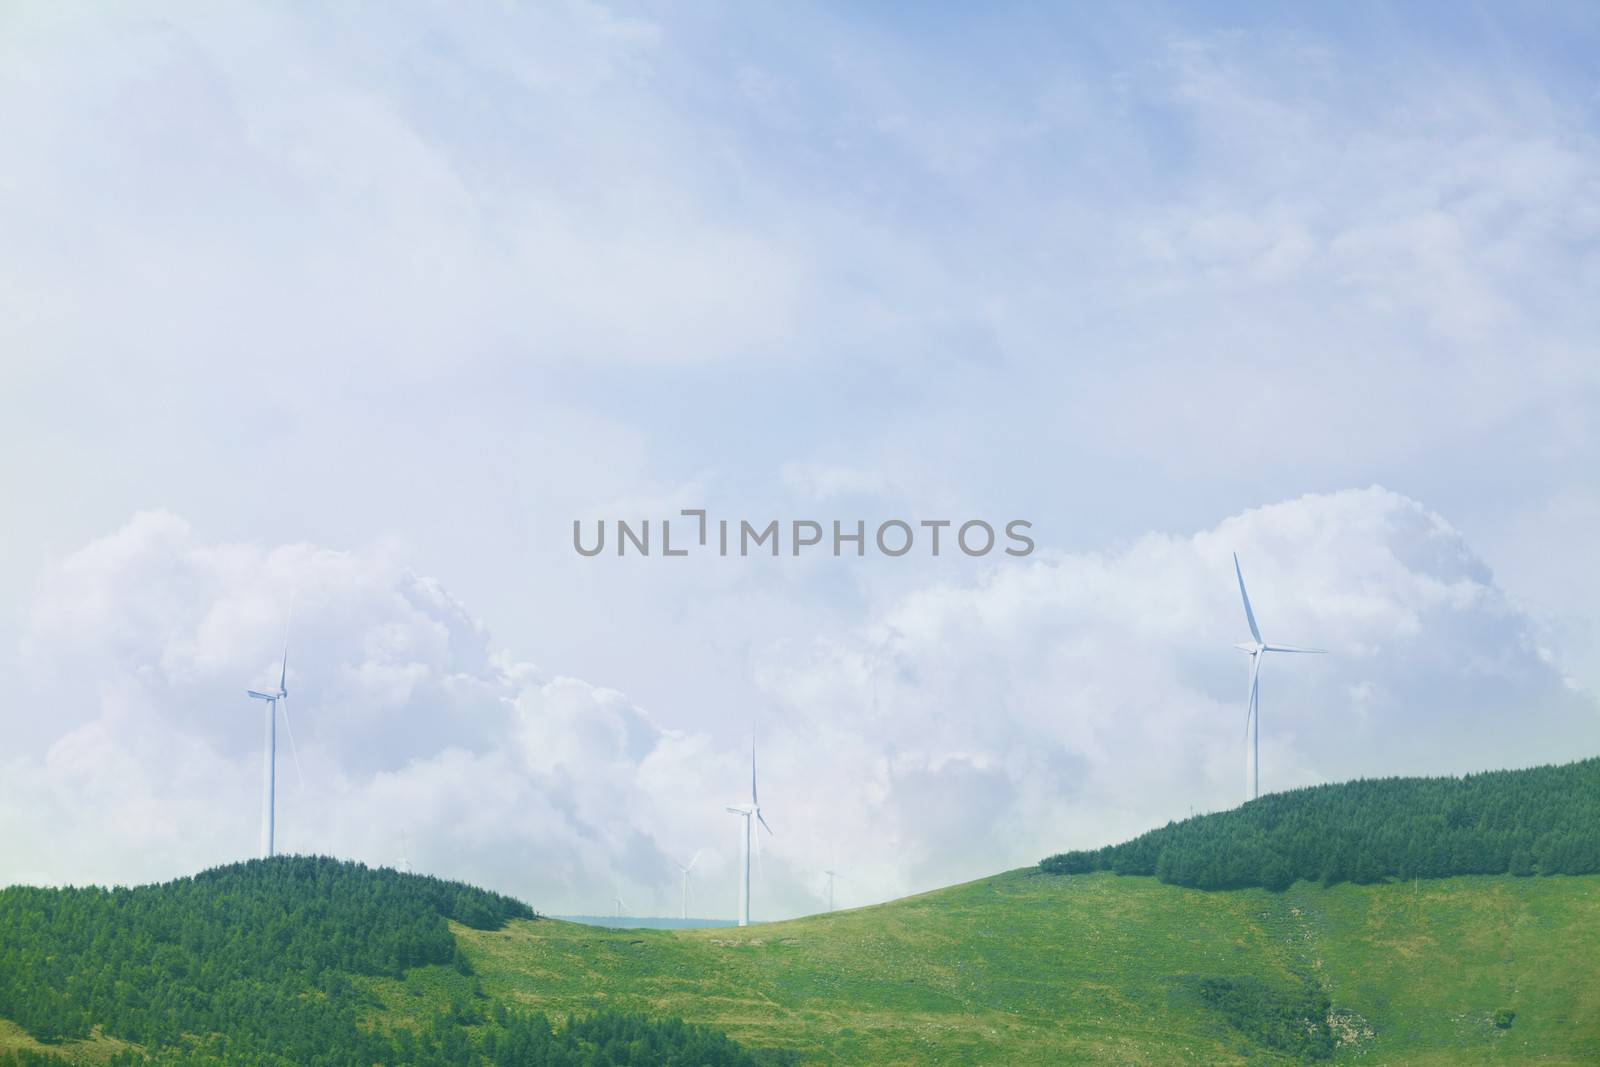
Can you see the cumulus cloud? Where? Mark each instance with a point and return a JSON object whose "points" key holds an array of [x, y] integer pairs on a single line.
{"points": [[966, 726], [1081, 698], [142, 756]]}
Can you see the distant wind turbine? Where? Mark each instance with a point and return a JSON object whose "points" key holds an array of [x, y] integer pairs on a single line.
{"points": [[831, 876], [752, 836], [686, 870], [618, 901], [1252, 715], [269, 756]]}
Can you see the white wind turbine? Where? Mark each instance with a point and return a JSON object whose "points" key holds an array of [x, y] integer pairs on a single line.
{"points": [[269, 756], [831, 876], [1252, 715], [752, 836], [686, 870], [618, 901]]}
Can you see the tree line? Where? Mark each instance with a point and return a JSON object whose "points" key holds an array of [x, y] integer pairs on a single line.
{"points": [[1540, 821], [253, 964]]}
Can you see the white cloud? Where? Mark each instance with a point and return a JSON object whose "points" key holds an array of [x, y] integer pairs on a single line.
{"points": [[140, 648], [1126, 273], [455, 278], [1080, 698], [963, 728], [446, 198]]}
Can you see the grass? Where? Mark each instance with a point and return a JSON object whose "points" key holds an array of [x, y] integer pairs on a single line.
{"points": [[1029, 968], [97, 1049], [1024, 967]]}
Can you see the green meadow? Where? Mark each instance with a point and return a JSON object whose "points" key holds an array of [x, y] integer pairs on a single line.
{"points": [[1026, 967], [1031, 968]]}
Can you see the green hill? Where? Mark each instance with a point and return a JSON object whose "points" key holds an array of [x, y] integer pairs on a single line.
{"points": [[1028, 968], [1544, 820], [309, 961], [279, 962]]}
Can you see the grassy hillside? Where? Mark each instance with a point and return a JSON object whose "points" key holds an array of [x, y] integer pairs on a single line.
{"points": [[1025, 967], [1022, 967], [300, 961], [1442, 952]]}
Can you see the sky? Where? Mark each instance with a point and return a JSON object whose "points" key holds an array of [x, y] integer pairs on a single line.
{"points": [[362, 306]]}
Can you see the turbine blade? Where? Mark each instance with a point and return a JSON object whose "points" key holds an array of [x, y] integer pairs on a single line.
{"points": [[762, 819], [293, 750], [693, 861], [283, 676], [753, 799], [1249, 615], [262, 696], [1291, 648]]}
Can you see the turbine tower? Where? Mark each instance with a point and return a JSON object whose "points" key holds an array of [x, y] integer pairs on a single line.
{"points": [[831, 876], [752, 836], [269, 755], [686, 871], [1252, 714]]}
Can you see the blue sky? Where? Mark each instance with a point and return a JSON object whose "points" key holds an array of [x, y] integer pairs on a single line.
{"points": [[414, 290]]}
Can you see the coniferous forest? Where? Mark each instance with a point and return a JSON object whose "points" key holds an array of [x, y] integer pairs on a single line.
{"points": [[253, 964], [1541, 821]]}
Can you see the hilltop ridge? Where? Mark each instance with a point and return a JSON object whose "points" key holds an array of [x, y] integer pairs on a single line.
{"points": [[1541, 820]]}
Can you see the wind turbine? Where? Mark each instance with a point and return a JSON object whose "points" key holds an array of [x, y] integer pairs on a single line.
{"points": [[686, 871], [752, 835], [831, 876], [269, 756], [1252, 715], [618, 901]]}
